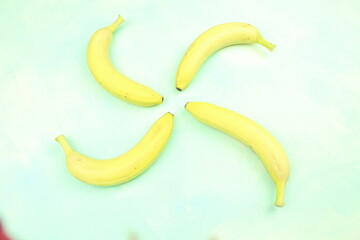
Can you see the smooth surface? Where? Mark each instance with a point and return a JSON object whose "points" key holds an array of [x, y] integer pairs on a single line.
{"points": [[205, 184]]}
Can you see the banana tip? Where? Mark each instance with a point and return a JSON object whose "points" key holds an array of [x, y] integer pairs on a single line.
{"points": [[179, 89], [120, 18], [171, 113], [186, 104], [58, 137], [272, 48], [280, 188]]}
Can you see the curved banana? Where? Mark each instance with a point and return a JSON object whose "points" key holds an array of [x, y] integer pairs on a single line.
{"points": [[211, 41], [251, 134], [125, 167], [105, 73]]}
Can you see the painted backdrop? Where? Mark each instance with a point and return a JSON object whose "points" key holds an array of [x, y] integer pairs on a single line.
{"points": [[205, 185]]}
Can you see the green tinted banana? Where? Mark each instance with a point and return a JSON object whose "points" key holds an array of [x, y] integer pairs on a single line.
{"points": [[125, 167], [251, 134], [211, 41], [113, 81]]}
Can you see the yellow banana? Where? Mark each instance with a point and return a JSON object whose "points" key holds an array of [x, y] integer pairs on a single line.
{"points": [[251, 134], [113, 81], [125, 167], [211, 41]]}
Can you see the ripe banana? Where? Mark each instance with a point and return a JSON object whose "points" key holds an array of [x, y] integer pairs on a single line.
{"points": [[125, 167], [211, 41], [105, 73], [251, 134]]}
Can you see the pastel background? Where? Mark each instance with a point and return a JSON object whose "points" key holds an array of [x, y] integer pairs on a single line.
{"points": [[205, 185]]}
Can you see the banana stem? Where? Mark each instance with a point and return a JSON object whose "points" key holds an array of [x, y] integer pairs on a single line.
{"points": [[266, 44], [64, 144], [280, 188], [115, 25]]}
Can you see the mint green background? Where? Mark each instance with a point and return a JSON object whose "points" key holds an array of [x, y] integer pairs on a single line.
{"points": [[205, 185]]}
